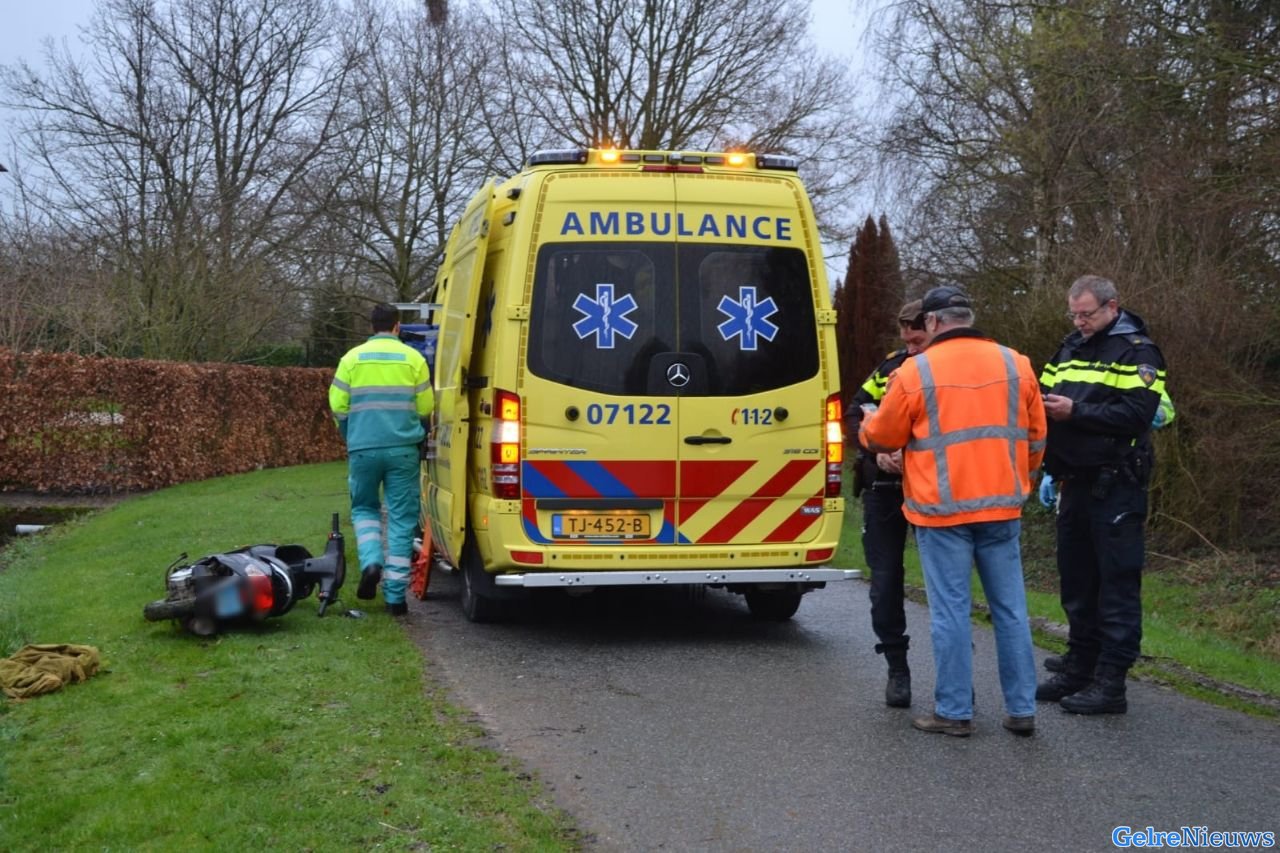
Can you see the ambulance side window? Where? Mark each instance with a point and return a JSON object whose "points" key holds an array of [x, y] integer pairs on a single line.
{"points": [[749, 311], [598, 314]]}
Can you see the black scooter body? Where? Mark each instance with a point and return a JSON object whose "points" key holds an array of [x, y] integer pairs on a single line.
{"points": [[249, 584]]}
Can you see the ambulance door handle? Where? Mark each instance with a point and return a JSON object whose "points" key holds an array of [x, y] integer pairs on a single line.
{"points": [[707, 439]]}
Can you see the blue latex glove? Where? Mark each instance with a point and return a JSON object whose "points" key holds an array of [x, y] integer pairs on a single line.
{"points": [[1048, 494]]}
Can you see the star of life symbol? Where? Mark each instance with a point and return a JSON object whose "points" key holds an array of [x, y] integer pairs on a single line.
{"points": [[748, 319], [604, 316]]}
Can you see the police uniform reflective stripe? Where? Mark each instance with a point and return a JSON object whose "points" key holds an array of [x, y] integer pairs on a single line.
{"points": [[1121, 376], [866, 472], [872, 390]]}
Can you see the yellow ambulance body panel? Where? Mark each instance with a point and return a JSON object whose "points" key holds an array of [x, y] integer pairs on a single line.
{"points": [[636, 381]]}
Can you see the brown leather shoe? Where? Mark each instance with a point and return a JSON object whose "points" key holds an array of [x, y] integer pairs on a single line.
{"points": [[1020, 725], [941, 725]]}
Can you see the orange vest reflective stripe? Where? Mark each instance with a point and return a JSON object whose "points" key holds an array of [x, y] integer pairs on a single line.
{"points": [[969, 414]]}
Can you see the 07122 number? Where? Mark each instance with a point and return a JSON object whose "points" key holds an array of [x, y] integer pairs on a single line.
{"points": [[643, 414]]}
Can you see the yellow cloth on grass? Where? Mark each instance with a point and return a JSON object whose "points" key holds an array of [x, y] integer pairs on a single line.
{"points": [[45, 667]]}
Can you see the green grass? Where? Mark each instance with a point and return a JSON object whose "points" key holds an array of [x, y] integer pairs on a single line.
{"points": [[299, 734], [1206, 618]]}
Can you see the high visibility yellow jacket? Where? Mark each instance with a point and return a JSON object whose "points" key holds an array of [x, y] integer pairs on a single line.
{"points": [[381, 394], [969, 413]]}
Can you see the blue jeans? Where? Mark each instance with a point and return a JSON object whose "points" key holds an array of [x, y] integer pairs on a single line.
{"points": [[946, 554], [394, 471]]}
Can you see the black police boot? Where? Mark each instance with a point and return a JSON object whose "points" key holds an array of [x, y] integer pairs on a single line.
{"points": [[1067, 663], [370, 577], [1061, 685], [1104, 695], [897, 691]]}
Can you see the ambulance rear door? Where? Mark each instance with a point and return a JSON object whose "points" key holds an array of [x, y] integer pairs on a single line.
{"points": [[601, 435], [751, 414], [459, 293]]}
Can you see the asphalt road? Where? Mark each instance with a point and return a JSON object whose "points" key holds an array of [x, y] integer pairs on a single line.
{"points": [[661, 724]]}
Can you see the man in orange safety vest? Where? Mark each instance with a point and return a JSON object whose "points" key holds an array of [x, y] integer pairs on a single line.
{"points": [[969, 414]]}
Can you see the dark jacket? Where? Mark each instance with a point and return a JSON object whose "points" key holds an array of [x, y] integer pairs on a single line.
{"points": [[866, 471], [1114, 379]]}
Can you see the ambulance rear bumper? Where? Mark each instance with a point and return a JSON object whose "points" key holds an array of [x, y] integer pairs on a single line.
{"points": [[694, 577]]}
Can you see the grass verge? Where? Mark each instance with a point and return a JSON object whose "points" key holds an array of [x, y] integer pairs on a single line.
{"points": [[300, 733], [1211, 622]]}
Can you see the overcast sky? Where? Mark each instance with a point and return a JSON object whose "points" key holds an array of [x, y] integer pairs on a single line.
{"points": [[24, 24]]}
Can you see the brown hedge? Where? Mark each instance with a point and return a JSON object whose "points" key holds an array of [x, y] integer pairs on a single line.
{"points": [[74, 424]]}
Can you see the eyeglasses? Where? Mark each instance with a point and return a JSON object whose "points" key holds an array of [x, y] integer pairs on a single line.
{"points": [[1085, 315]]}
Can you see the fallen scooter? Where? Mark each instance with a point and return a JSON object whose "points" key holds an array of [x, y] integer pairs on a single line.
{"points": [[249, 584]]}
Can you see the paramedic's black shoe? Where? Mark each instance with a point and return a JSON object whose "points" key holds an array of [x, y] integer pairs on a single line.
{"points": [[399, 608], [370, 577]]}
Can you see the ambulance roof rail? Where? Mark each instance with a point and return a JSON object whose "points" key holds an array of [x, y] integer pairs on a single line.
{"points": [[581, 156], [777, 161], [562, 156], [422, 309]]}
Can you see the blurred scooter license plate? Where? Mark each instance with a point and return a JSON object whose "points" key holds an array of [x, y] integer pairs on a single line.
{"points": [[226, 602], [600, 525]]}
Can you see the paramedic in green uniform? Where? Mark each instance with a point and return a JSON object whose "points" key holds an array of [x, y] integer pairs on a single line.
{"points": [[381, 398]]}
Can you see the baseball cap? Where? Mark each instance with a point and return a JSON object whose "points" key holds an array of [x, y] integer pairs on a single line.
{"points": [[944, 296], [911, 315]]}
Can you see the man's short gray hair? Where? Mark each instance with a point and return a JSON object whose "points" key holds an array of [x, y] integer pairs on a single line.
{"points": [[1103, 289], [955, 316]]}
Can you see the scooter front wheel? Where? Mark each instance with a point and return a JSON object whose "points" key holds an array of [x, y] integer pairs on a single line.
{"points": [[160, 611]]}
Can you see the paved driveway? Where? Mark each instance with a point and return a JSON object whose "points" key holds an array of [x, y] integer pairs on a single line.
{"points": [[665, 725]]}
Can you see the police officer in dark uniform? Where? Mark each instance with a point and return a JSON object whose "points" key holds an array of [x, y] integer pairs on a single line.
{"points": [[878, 480], [1101, 392]]}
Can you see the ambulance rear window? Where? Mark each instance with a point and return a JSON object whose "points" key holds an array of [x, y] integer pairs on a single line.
{"points": [[599, 314], [749, 309], [741, 317]]}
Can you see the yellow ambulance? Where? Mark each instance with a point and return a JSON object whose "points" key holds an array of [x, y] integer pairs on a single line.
{"points": [[636, 382]]}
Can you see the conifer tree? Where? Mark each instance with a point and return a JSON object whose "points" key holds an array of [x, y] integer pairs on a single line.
{"points": [[867, 301]]}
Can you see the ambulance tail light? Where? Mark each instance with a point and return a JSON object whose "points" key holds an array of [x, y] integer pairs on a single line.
{"points": [[504, 446], [835, 446]]}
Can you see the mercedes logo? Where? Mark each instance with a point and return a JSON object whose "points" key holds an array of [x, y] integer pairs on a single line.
{"points": [[678, 374]]}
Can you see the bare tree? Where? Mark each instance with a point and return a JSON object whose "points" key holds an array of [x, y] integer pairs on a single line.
{"points": [[1135, 138], [180, 146], [416, 143], [672, 74]]}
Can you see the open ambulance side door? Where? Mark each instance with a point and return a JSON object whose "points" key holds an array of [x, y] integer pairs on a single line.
{"points": [[458, 291]]}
